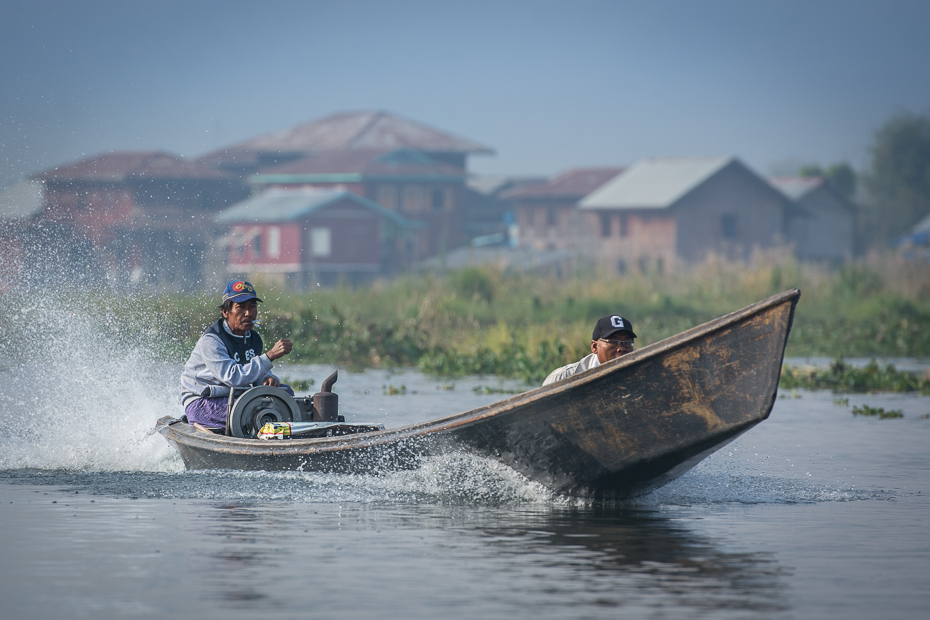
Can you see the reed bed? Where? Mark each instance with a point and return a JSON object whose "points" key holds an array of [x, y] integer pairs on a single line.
{"points": [[522, 325]]}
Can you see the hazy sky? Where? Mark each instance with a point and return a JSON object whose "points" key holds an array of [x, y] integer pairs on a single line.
{"points": [[549, 85]]}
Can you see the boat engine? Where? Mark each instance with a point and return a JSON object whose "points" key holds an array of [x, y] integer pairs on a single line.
{"points": [[249, 409]]}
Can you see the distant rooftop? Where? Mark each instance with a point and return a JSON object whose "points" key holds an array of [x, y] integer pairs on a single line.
{"points": [[654, 183], [283, 205], [125, 165], [795, 188], [362, 162], [372, 130], [491, 185], [569, 185]]}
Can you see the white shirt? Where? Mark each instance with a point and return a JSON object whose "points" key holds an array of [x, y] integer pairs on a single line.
{"points": [[586, 363]]}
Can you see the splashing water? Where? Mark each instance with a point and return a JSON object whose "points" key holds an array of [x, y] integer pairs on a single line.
{"points": [[81, 393]]}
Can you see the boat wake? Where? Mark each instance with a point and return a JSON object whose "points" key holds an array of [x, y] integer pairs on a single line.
{"points": [[736, 477], [700, 487], [456, 479]]}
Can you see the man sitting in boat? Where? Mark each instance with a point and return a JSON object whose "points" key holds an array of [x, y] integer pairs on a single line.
{"points": [[228, 354], [613, 336]]}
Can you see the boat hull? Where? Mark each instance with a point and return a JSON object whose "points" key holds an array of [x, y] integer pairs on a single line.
{"points": [[618, 430]]}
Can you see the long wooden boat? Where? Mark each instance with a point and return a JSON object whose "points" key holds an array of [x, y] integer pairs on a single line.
{"points": [[618, 430]]}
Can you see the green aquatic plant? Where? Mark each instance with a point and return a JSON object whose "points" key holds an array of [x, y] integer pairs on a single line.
{"points": [[487, 389], [866, 410], [514, 361], [842, 377], [299, 385]]}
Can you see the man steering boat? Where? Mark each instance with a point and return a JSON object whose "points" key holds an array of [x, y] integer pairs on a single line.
{"points": [[228, 355]]}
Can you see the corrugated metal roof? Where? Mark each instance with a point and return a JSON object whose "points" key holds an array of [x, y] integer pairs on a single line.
{"points": [[125, 165], [22, 200], [286, 205], [795, 188], [570, 185], [403, 161], [373, 130], [655, 183], [494, 185]]}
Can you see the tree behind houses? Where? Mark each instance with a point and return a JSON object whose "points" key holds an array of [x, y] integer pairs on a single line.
{"points": [[841, 177], [898, 183]]}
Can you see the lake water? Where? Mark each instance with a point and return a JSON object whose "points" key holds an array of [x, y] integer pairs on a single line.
{"points": [[815, 513]]}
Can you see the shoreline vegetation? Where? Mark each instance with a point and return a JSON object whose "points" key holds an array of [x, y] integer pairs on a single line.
{"points": [[842, 378], [491, 321]]}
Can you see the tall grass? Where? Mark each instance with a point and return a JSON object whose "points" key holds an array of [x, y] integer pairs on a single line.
{"points": [[495, 321]]}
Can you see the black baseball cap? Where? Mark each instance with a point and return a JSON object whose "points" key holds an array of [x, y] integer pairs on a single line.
{"points": [[610, 325]]}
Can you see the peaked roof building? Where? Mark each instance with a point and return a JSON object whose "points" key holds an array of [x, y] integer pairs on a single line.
{"points": [[360, 165], [138, 217], [822, 224], [655, 183], [546, 212], [796, 188], [370, 131], [124, 166], [572, 184], [308, 235], [665, 210]]}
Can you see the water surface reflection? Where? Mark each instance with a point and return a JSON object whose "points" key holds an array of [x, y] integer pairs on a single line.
{"points": [[544, 558]]}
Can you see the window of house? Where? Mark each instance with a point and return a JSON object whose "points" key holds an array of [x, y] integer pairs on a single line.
{"points": [[728, 223], [551, 219], [624, 225], [274, 242], [414, 198], [605, 224], [257, 244], [320, 242], [387, 196], [438, 200]]}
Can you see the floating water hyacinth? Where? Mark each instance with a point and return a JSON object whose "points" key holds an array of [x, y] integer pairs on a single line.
{"points": [[842, 377], [880, 412]]}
